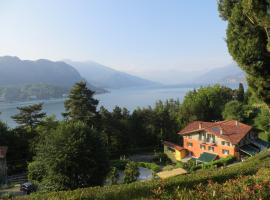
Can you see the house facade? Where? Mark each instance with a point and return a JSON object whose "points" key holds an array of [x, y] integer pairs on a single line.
{"points": [[220, 139]]}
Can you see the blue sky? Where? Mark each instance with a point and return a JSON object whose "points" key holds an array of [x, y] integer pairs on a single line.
{"points": [[137, 36]]}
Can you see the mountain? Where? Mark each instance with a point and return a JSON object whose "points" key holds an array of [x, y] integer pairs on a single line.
{"points": [[106, 77], [16, 72], [41, 79], [230, 74]]}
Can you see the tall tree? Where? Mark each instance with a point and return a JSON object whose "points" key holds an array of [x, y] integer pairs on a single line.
{"points": [[29, 116], [248, 40], [241, 93], [80, 104]]}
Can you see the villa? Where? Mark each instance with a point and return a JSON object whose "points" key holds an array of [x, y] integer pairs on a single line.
{"points": [[208, 141]]}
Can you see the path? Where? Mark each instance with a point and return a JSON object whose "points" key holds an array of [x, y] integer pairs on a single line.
{"points": [[170, 173]]}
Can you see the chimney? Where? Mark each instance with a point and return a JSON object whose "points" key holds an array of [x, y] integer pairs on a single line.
{"points": [[200, 125], [221, 131], [236, 123]]}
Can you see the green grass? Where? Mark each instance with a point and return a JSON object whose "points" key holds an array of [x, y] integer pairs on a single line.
{"points": [[155, 188], [264, 136]]}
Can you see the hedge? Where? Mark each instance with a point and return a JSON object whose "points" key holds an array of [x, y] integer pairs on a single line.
{"points": [[144, 190]]}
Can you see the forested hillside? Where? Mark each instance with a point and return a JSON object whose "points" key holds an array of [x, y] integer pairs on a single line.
{"points": [[22, 80]]}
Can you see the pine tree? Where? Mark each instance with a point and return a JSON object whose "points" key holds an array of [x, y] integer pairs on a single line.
{"points": [[29, 116], [81, 105]]}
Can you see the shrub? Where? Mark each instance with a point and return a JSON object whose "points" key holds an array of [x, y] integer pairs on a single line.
{"points": [[185, 185], [36, 171], [113, 175], [190, 165], [120, 164], [152, 166], [131, 172], [161, 159]]}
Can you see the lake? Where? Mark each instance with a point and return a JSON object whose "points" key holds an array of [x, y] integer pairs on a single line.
{"points": [[130, 98]]}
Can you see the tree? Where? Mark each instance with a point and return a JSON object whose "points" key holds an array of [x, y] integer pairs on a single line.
{"points": [[262, 121], [72, 156], [240, 93], [206, 103], [233, 110], [30, 116], [115, 130], [248, 41], [80, 104], [131, 172]]}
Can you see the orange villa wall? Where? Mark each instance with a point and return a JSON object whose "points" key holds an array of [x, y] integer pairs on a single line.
{"points": [[197, 151]]}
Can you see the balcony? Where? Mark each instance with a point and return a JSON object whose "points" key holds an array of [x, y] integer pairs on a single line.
{"points": [[207, 141]]}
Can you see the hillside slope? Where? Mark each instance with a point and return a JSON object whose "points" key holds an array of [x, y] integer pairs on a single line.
{"points": [[107, 77], [238, 178], [22, 80], [230, 74]]}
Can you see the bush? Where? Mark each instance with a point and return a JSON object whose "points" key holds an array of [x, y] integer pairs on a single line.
{"points": [[190, 165], [36, 171], [131, 172], [162, 159], [7, 195], [152, 166], [120, 164], [113, 175], [146, 189]]}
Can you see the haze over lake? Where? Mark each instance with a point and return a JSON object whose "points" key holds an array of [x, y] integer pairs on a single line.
{"points": [[129, 98]]}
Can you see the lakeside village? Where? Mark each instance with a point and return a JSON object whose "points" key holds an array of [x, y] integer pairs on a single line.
{"points": [[201, 145]]}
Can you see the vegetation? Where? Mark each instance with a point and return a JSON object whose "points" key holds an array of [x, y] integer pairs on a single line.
{"points": [[74, 153], [248, 41], [29, 116], [113, 176], [131, 172], [30, 92], [186, 185], [80, 104], [69, 157]]}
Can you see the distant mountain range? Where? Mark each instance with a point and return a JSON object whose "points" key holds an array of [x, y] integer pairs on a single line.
{"points": [[106, 77], [230, 74], [41, 79]]}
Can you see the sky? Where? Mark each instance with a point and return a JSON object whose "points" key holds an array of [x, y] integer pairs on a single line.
{"points": [[150, 38]]}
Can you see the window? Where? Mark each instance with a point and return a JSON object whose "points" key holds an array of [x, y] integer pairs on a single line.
{"points": [[189, 144], [202, 147], [225, 152], [210, 148], [189, 137], [200, 136], [171, 149], [225, 143]]}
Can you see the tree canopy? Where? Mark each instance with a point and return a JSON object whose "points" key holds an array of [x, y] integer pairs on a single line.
{"points": [[71, 156], [80, 104], [248, 40], [30, 116]]}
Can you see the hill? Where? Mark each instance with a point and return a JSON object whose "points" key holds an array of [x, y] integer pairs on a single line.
{"points": [[41, 79], [106, 77], [246, 180], [230, 74]]}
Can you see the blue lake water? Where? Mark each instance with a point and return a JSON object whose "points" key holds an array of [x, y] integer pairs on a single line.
{"points": [[129, 98]]}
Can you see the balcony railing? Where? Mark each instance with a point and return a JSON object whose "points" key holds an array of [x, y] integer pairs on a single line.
{"points": [[208, 141]]}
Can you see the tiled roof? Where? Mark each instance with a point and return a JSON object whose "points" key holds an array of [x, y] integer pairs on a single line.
{"points": [[174, 146], [231, 130]]}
